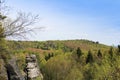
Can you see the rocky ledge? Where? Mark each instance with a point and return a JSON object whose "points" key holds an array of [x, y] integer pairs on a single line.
{"points": [[32, 68]]}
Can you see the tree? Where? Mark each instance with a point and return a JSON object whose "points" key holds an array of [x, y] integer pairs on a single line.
{"points": [[118, 48], [111, 53], [2, 37], [47, 57], [57, 68], [74, 74], [20, 26], [89, 58], [97, 42], [16, 27], [2, 17], [99, 54], [79, 52]]}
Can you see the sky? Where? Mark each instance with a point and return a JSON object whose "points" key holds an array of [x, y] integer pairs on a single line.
{"points": [[96, 20]]}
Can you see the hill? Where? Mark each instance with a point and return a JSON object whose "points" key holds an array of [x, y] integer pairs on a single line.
{"points": [[65, 45], [68, 59]]}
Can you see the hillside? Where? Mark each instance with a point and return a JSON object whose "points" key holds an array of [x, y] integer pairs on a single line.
{"points": [[65, 45], [56, 47], [67, 59]]}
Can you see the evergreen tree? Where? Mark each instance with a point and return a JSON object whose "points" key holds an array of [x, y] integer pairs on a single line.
{"points": [[99, 54], [49, 56], [119, 48], [111, 53], [79, 52], [89, 58]]}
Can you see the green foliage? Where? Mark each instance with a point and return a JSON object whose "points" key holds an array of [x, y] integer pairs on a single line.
{"points": [[79, 52], [93, 72], [111, 53], [119, 48], [74, 74], [4, 54], [49, 56], [99, 54], [38, 78], [3, 46], [1, 31], [57, 68], [2, 17], [89, 58], [3, 78], [61, 60]]}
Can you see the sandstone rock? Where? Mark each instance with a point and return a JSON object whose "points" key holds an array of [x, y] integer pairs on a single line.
{"points": [[32, 67], [33, 72], [13, 70], [3, 71]]}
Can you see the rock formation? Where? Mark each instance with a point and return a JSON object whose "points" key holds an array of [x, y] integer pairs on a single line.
{"points": [[3, 71], [13, 70], [10, 70], [32, 68]]}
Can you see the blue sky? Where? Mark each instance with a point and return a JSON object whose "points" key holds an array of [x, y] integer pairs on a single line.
{"points": [[97, 20]]}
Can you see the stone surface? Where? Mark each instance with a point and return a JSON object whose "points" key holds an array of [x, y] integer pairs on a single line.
{"points": [[3, 71], [32, 68], [31, 65], [13, 70], [33, 72]]}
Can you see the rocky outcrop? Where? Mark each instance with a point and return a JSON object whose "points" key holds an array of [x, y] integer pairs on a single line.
{"points": [[3, 71], [13, 71], [10, 70], [32, 68]]}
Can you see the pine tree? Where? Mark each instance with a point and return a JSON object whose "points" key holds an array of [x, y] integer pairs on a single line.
{"points": [[89, 58], [111, 53], [79, 52], [99, 54], [119, 48], [49, 56]]}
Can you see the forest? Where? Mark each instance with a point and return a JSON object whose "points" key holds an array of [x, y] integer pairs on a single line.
{"points": [[69, 59]]}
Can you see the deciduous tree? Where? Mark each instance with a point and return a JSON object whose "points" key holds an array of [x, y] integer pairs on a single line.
{"points": [[17, 27]]}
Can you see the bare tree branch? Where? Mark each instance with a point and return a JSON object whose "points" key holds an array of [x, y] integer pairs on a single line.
{"points": [[20, 26], [3, 8]]}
